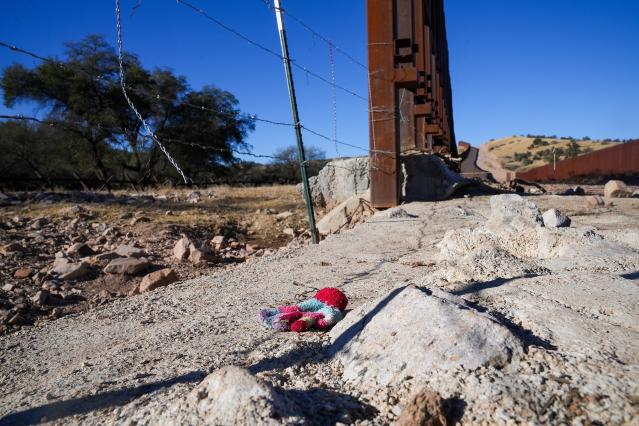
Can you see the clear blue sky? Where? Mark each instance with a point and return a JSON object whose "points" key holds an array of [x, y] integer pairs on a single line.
{"points": [[565, 67]]}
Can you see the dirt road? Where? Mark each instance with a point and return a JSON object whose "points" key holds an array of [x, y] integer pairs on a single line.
{"points": [[127, 361]]}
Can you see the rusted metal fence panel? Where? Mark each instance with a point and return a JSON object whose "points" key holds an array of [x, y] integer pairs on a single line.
{"points": [[621, 160], [410, 88]]}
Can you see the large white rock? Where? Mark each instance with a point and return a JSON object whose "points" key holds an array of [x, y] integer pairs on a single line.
{"points": [[553, 218], [616, 189], [338, 181], [230, 396], [416, 332]]}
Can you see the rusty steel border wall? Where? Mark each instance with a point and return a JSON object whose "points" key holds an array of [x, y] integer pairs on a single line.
{"points": [[410, 89], [621, 160]]}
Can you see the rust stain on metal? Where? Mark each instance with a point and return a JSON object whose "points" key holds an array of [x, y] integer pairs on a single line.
{"points": [[618, 160], [410, 88]]}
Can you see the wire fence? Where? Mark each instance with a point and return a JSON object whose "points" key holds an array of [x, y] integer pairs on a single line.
{"points": [[164, 143]]}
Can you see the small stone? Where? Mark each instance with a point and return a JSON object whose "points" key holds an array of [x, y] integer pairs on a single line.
{"points": [[289, 231], [595, 201], [127, 266], [140, 219], [79, 250], [198, 256], [425, 409], [168, 213], [22, 273], [181, 248], [66, 270], [218, 241], [158, 279], [8, 287], [11, 248], [553, 218], [130, 251], [109, 255], [284, 215]]}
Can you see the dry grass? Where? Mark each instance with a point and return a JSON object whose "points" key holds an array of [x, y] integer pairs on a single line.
{"points": [[505, 149], [226, 208]]}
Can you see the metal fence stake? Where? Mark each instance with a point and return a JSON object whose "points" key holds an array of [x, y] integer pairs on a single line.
{"points": [[296, 121]]}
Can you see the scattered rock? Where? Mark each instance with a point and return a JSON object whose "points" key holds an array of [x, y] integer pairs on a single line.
{"points": [[595, 201], [616, 189], [158, 279], [289, 231], [553, 218], [130, 251], [140, 219], [109, 255], [342, 216], [181, 248], [231, 396], [218, 241], [193, 197], [67, 270], [11, 248], [23, 273], [198, 256], [454, 335], [283, 215], [79, 250], [127, 266], [397, 213], [126, 215], [514, 210], [425, 408]]}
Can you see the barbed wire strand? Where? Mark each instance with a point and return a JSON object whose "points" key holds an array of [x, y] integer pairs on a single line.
{"points": [[331, 60], [130, 102], [268, 50], [317, 34]]}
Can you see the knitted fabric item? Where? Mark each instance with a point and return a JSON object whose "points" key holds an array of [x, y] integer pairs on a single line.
{"points": [[321, 312]]}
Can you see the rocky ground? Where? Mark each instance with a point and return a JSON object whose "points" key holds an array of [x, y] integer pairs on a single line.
{"points": [[475, 310], [63, 253]]}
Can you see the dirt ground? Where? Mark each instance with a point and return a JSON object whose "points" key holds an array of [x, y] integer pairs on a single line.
{"points": [[47, 224], [127, 361]]}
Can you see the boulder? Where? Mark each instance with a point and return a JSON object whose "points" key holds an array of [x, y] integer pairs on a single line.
{"points": [[616, 189], [158, 279], [127, 266], [427, 178], [553, 218], [425, 408], [80, 250], [341, 216], [67, 270], [418, 332], [231, 396], [130, 251], [338, 181]]}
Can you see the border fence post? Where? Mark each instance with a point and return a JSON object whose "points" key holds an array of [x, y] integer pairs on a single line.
{"points": [[296, 122]]}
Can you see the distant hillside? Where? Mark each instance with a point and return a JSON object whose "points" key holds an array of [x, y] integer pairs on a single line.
{"points": [[521, 153]]}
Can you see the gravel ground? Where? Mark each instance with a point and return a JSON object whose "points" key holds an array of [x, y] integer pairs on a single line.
{"points": [[125, 362]]}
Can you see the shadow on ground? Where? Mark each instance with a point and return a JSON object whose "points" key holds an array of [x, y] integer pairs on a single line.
{"points": [[60, 409]]}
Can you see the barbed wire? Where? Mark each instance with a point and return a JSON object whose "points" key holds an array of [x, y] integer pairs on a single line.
{"points": [[268, 50], [130, 102], [316, 34]]}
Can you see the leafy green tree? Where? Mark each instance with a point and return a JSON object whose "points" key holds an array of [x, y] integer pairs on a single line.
{"points": [[83, 93]]}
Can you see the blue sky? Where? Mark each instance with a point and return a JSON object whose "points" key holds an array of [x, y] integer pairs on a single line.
{"points": [[565, 67]]}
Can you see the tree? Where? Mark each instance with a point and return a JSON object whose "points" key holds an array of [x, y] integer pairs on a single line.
{"points": [[288, 163], [573, 149], [83, 93]]}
